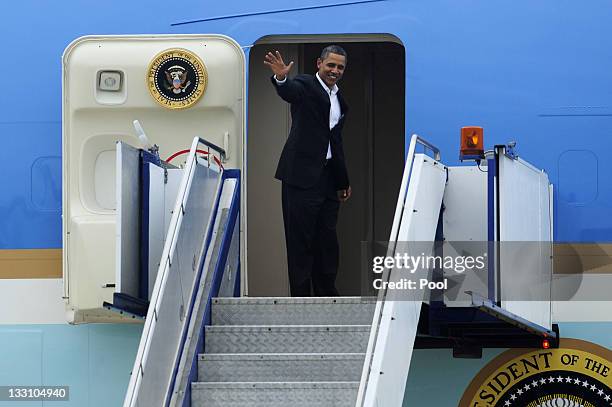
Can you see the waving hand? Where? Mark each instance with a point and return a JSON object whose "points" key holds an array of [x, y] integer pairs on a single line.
{"points": [[277, 65]]}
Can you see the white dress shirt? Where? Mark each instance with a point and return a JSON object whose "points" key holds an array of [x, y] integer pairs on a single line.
{"points": [[334, 106]]}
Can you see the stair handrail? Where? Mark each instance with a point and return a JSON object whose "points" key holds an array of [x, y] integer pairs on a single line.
{"points": [[218, 274], [131, 398], [382, 294]]}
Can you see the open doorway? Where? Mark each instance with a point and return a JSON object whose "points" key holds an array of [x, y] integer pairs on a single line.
{"points": [[374, 88]]}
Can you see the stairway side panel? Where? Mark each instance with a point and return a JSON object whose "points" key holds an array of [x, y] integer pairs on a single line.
{"points": [[166, 317], [397, 332]]}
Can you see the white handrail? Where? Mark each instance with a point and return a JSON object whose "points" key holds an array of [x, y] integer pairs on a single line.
{"points": [[397, 220]]}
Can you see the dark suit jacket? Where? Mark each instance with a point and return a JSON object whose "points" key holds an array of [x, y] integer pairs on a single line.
{"points": [[303, 157]]}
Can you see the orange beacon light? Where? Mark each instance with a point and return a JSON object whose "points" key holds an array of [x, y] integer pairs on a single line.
{"points": [[471, 143]]}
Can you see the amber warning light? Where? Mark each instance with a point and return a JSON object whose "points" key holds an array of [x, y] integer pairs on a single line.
{"points": [[471, 143]]}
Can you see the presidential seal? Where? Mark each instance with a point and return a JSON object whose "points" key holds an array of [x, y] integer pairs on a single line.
{"points": [[578, 374], [177, 78]]}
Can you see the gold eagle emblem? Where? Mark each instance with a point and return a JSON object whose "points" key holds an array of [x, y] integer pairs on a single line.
{"points": [[177, 78]]}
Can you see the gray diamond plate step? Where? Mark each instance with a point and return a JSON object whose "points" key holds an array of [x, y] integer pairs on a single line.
{"points": [[291, 367], [280, 352], [313, 394], [292, 311], [287, 339]]}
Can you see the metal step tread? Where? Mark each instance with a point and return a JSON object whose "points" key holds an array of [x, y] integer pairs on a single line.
{"points": [[279, 356], [292, 300], [274, 394], [275, 385], [293, 311], [287, 339], [287, 328], [288, 367]]}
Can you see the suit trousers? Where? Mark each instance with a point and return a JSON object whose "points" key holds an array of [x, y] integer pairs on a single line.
{"points": [[310, 216]]}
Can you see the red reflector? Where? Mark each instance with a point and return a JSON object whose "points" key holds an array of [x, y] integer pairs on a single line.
{"points": [[545, 344]]}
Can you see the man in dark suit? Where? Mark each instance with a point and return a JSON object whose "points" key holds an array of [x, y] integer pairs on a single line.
{"points": [[313, 170]]}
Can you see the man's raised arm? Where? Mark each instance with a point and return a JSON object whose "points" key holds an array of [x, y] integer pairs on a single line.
{"points": [[290, 91]]}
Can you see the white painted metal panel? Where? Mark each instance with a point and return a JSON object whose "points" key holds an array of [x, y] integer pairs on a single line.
{"points": [[526, 241], [171, 190], [465, 220], [47, 308], [465, 205], [128, 220], [233, 263], [163, 190], [157, 213], [394, 342]]}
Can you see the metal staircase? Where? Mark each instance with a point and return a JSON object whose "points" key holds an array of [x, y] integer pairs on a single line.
{"points": [[201, 350], [283, 352]]}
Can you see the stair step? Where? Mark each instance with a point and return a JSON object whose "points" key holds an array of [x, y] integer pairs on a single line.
{"points": [[279, 394], [291, 367], [293, 310], [287, 339]]}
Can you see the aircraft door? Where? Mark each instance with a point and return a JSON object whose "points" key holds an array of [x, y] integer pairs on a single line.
{"points": [[178, 87]]}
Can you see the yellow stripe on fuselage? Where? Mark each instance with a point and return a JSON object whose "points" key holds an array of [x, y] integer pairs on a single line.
{"points": [[577, 258], [31, 263]]}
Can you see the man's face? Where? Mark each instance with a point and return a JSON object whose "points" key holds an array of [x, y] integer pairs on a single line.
{"points": [[331, 68]]}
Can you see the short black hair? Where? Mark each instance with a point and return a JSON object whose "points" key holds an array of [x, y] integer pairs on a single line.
{"points": [[333, 49]]}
